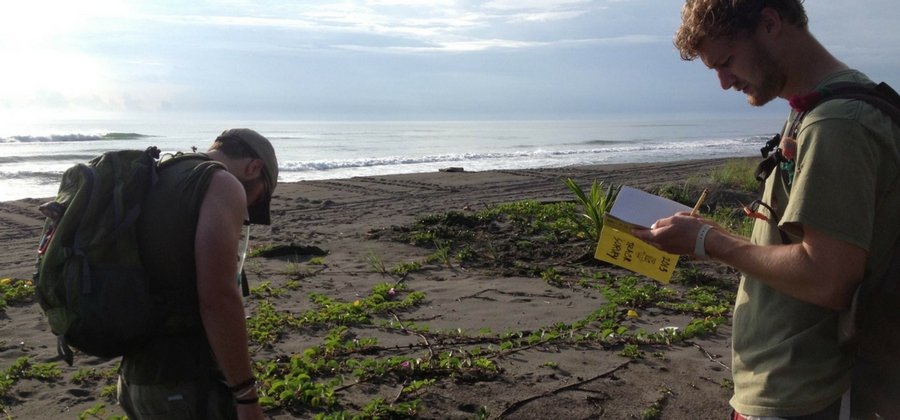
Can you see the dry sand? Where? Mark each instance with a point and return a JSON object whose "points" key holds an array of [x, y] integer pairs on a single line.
{"points": [[339, 216]]}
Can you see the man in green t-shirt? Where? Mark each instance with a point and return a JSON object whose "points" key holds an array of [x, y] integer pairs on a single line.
{"points": [[189, 231], [831, 216]]}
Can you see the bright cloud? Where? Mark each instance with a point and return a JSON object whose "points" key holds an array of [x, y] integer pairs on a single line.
{"points": [[532, 4]]}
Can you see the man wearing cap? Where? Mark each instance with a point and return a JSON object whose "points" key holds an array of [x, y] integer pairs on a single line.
{"points": [[189, 230]]}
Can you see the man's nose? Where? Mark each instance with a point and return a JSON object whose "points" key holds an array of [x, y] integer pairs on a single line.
{"points": [[726, 79]]}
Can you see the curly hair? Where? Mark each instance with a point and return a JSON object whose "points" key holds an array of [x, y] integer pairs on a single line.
{"points": [[708, 19]]}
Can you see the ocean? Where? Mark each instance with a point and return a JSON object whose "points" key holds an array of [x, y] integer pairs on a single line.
{"points": [[34, 156]]}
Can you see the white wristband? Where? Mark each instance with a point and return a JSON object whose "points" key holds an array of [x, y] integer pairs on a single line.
{"points": [[700, 246]]}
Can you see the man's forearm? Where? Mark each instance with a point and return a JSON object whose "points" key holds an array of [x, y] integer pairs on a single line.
{"points": [[226, 329], [821, 277]]}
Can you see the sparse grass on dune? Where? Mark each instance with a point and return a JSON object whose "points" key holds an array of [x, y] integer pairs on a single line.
{"points": [[737, 173]]}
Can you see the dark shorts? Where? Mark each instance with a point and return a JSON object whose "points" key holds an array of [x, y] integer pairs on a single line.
{"points": [[176, 401]]}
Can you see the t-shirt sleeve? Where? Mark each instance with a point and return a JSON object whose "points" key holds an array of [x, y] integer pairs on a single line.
{"points": [[834, 185]]}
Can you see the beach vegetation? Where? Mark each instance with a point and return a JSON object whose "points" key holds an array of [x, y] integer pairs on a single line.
{"points": [[702, 300], [422, 237], [631, 351], [631, 295], [655, 409], [265, 290], [482, 413], [293, 267], [550, 276], [442, 254], [552, 365], [24, 369], [110, 391], [531, 216], [690, 275], [465, 253], [402, 267], [738, 173], [98, 412], [257, 251], [491, 251], [594, 205], [733, 219], [313, 379], [15, 291], [375, 262], [687, 193], [91, 375]]}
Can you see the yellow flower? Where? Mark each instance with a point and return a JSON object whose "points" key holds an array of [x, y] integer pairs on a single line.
{"points": [[632, 313], [5, 281], [29, 283], [356, 303]]}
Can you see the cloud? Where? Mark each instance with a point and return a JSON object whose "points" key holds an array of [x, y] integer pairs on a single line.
{"points": [[497, 44], [408, 25], [415, 3], [532, 4], [545, 16]]}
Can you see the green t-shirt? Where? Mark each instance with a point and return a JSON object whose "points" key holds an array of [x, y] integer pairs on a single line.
{"points": [[787, 357]]}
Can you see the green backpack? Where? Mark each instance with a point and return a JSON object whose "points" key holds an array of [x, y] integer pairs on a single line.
{"points": [[89, 279]]}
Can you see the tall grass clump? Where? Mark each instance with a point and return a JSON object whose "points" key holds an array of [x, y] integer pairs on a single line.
{"points": [[737, 173], [594, 205]]}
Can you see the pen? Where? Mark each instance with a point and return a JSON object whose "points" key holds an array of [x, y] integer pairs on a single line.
{"points": [[699, 202]]}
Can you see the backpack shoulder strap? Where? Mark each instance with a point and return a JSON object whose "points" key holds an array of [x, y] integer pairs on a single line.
{"points": [[171, 159], [881, 96]]}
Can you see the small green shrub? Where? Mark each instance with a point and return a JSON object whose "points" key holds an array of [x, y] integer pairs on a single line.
{"points": [[405, 267], [593, 205], [13, 291], [631, 351]]}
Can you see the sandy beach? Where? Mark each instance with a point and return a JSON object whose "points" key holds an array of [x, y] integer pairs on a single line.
{"points": [[471, 308]]}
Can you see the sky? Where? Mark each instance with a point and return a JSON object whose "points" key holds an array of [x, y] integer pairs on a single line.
{"points": [[385, 59]]}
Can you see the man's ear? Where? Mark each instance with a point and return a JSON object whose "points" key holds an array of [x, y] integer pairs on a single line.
{"points": [[770, 21], [254, 168]]}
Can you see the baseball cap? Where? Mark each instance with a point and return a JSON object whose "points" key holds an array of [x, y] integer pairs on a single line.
{"points": [[262, 149]]}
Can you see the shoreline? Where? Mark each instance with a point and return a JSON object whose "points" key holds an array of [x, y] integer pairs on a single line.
{"points": [[601, 167], [352, 219]]}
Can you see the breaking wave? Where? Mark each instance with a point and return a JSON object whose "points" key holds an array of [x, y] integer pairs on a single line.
{"points": [[72, 137]]}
